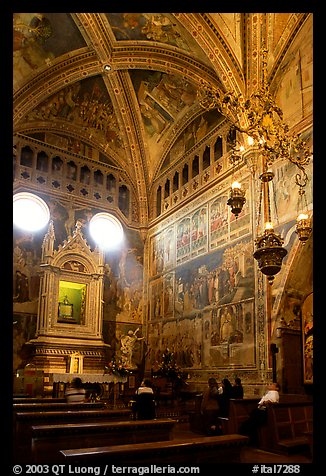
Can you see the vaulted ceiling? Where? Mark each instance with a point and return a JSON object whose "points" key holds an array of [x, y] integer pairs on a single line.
{"points": [[125, 84]]}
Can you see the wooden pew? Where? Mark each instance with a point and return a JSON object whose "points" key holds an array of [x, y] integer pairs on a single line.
{"points": [[163, 390], [48, 440], [51, 406], [24, 421], [190, 451], [288, 429], [239, 411], [38, 400]]}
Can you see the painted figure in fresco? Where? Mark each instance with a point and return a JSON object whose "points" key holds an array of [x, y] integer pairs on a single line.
{"points": [[227, 326], [308, 328], [128, 343], [21, 288]]}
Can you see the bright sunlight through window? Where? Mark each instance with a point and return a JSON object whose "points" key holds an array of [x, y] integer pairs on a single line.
{"points": [[30, 212], [106, 230]]}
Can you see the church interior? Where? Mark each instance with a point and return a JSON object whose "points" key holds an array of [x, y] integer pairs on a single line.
{"points": [[167, 160]]}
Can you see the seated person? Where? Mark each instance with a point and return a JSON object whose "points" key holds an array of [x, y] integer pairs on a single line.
{"points": [[144, 407], [258, 417], [210, 408], [224, 397], [237, 388], [75, 392]]}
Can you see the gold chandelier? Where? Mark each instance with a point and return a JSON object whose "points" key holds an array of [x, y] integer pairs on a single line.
{"points": [[259, 120]]}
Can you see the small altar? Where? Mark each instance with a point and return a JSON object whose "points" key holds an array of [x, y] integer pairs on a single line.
{"points": [[88, 378], [106, 386]]}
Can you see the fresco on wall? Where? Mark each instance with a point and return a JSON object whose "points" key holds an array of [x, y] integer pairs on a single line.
{"points": [[287, 204], [207, 228], [26, 260], [183, 240], [24, 329], [308, 339], [168, 294], [163, 251], [199, 239], [123, 270], [156, 299], [216, 292], [123, 273], [219, 214], [232, 335]]}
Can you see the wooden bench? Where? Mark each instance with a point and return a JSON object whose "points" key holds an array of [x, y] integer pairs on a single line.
{"points": [[287, 427], [239, 411], [24, 421], [51, 406], [38, 400], [163, 390], [48, 440], [190, 451]]}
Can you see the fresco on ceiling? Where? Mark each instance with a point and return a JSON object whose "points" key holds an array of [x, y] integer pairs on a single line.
{"points": [[161, 98], [193, 134], [38, 38], [147, 26], [86, 104]]}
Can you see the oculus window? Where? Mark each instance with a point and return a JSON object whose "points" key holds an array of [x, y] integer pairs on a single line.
{"points": [[30, 212], [106, 230]]}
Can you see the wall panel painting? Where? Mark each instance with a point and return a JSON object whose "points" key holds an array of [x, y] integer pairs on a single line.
{"points": [[218, 221], [168, 299], [162, 251], [218, 278], [207, 304], [157, 254], [199, 232], [183, 240], [168, 248], [156, 299], [232, 335], [307, 339]]}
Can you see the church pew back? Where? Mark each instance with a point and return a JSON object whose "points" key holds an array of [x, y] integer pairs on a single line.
{"points": [[51, 406], [190, 451], [24, 421], [48, 440]]}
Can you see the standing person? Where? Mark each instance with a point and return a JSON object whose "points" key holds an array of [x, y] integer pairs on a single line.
{"points": [[258, 417], [75, 393], [210, 407], [144, 401], [237, 389]]}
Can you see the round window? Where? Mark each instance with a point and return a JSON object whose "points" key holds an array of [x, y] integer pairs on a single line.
{"points": [[106, 230], [30, 212]]}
